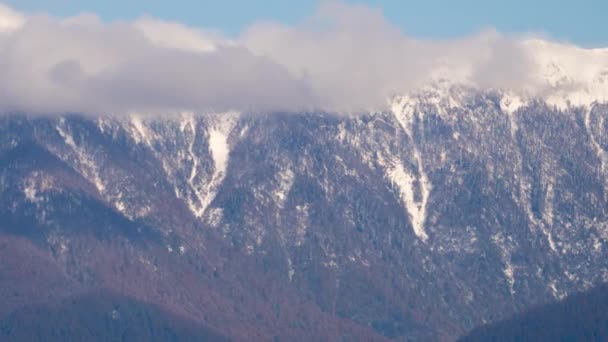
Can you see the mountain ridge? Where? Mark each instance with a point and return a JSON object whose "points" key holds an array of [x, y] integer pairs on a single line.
{"points": [[402, 224]]}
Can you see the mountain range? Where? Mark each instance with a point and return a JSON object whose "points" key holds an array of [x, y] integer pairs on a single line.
{"points": [[454, 208]]}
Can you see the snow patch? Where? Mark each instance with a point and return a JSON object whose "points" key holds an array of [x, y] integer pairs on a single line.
{"points": [[218, 143], [548, 206], [554, 291], [285, 180], [404, 110], [508, 270], [139, 132], [35, 184], [120, 206], [548, 215], [85, 163], [214, 216], [302, 212], [600, 152], [510, 102], [398, 176], [218, 131], [30, 192], [290, 270], [220, 151]]}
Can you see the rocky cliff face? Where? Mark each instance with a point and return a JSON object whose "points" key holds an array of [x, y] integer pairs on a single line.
{"points": [[454, 208]]}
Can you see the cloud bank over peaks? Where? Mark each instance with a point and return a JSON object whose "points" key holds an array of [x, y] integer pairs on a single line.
{"points": [[345, 58]]}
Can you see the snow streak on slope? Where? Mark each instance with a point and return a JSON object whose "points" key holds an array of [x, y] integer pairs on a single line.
{"points": [[416, 209], [404, 111], [193, 150], [218, 143], [217, 132], [601, 154], [285, 179], [503, 245], [509, 104], [35, 185], [196, 206], [85, 164], [141, 134]]}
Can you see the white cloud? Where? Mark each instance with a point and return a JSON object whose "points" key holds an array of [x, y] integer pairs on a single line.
{"points": [[178, 36], [10, 19], [344, 58], [84, 65], [353, 58]]}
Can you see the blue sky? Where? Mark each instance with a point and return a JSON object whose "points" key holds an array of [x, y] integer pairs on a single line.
{"points": [[582, 22]]}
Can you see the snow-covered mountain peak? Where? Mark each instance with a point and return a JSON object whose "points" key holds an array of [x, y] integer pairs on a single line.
{"points": [[568, 75], [562, 75]]}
